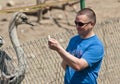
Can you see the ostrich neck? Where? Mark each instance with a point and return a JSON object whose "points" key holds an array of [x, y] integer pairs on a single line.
{"points": [[16, 45], [14, 36]]}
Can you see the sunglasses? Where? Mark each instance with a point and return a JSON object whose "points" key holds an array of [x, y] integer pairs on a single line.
{"points": [[80, 23]]}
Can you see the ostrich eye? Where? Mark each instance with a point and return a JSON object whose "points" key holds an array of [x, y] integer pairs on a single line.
{"points": [[24, 18]]}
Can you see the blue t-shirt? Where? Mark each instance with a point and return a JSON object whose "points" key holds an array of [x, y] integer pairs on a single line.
{"points": [[90, 49]]}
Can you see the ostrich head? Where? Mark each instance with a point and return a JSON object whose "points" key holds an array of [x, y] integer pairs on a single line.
{"points": [[19, 18]]}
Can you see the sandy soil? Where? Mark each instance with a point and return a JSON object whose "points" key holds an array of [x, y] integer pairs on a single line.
{"points": [[104, 10]]}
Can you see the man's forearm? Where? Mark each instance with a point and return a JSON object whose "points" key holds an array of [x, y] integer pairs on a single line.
{"points": [[69, 59], [63, 64]]}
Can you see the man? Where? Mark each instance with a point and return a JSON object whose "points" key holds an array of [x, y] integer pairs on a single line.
{"points": [[84, 53]]}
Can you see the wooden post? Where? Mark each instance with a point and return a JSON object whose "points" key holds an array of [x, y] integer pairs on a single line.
{"points": [[82, 4]]}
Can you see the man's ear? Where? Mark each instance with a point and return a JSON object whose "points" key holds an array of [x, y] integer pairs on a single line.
{"points": [[92, 23]]}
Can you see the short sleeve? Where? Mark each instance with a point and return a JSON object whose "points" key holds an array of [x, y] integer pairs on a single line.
{"points": [[93, 54]]}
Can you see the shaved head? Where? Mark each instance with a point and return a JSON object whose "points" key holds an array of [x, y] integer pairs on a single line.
{"points": [[89, 13]]}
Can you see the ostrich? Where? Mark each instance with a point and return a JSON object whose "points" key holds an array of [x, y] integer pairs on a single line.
{"points": [[7, 76], [41, 12]]}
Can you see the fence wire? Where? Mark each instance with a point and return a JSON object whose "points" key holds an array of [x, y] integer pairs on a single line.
{"points": [[44, 65]]}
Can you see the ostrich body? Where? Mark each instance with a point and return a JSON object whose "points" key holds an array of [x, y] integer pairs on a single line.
{"points": [[43, 11], [39, 13], [19, 74]]}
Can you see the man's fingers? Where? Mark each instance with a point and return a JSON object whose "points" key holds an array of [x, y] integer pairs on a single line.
{"points": [[49, 37], [51, 40]]}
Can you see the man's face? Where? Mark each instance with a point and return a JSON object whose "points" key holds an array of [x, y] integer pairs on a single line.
{"points": [[83, 24]]}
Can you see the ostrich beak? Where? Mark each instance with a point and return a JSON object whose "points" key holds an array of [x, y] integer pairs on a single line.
{"points": [[30, 23], [26, 20]]}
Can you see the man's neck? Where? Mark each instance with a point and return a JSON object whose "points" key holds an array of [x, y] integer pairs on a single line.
{"points": [[88, 35]]}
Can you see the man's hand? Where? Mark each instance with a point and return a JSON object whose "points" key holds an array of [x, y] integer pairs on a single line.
{"points": [[53, 44]]}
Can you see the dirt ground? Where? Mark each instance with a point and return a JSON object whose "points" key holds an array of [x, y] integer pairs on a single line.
{"points": [[104, 10]]}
